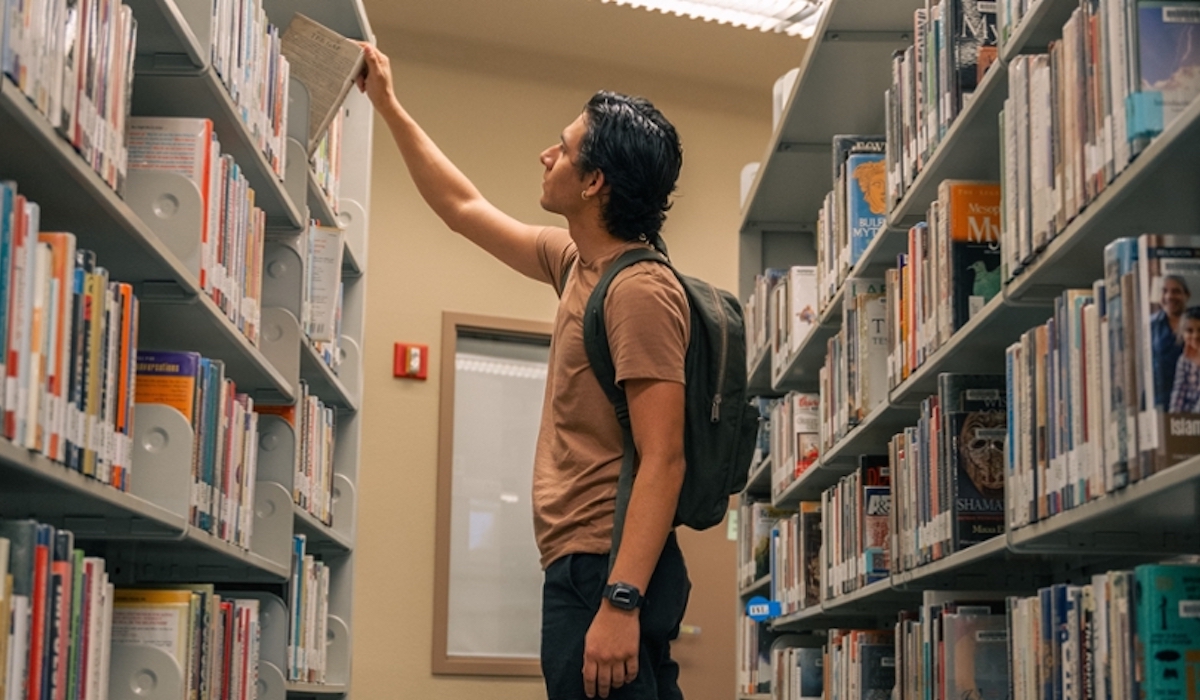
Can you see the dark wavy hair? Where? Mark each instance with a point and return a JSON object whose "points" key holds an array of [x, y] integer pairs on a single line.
{"points": [[638, 151]]}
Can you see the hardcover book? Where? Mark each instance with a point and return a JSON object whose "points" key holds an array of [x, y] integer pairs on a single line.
{"points": [[972, 210], [974, 410]]}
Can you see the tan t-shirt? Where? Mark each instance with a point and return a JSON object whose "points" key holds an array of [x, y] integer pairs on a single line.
{"points": [[579, 448]]}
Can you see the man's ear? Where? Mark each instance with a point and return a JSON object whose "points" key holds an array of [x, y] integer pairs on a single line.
{"points": [[594, 183]]}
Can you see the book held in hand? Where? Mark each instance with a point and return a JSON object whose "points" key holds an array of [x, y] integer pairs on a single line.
{"points": [[326, 63]]}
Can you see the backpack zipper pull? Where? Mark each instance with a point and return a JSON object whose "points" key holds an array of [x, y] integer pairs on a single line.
{"points": [[716, 409]]}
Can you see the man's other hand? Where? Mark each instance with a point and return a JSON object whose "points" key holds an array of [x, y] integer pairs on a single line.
{"points": [[610, 651]]}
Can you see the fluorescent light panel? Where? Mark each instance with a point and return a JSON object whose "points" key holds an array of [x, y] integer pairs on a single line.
{"points": [[795, 17]]}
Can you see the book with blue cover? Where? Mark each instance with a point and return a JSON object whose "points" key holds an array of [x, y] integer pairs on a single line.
{"points": [[866, 200], [1167, 66], [1167, 599]]}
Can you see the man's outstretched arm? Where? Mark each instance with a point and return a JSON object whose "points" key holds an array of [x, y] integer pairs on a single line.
{"points": [[443, 186]]}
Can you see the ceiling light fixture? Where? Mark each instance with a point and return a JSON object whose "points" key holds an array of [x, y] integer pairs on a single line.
{"points": [[793, 17]]}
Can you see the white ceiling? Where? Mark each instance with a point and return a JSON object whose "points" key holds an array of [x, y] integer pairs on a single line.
{"points": [[577, 32]]}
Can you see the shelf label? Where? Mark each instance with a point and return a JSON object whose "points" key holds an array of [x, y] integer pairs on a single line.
{"points": [[760, 609]]}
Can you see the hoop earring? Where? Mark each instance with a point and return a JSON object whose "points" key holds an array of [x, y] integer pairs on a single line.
{"points": [[584, 194]]}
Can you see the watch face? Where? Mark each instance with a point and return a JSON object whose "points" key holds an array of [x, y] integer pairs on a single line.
{"points": [[623, 596]]}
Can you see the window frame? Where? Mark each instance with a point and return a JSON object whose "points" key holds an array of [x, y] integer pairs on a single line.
{"points": [[442, 662]]}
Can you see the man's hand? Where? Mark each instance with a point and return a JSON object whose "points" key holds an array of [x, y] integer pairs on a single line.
{"points": [[376, 78], [610, 650]]}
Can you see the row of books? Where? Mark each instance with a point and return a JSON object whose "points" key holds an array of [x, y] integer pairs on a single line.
{"points": [[955, 646], [796, 558], [1123, 634], [798, 672], [757, 520], [214, 638], [313, 422], [853, 213], [74, 62], [855, 529], [1076, 115], [780, 313], [56, 616], [232, 230], [69, 336], [950, 271], [853, 380], [947, 471], [793, 422], [247, 55], [309, 609], [1105, 393], [326, 161], [224, 423], [860, 664], [954, 44]]}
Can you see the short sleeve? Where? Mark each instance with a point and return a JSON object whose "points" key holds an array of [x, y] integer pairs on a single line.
{"points": [[648, 321], [556, 253]]}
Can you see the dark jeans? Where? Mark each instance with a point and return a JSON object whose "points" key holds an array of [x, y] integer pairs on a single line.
{"points": [[570, 598]]}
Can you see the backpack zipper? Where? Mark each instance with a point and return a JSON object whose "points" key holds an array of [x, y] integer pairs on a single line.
{"points": [[716, 403]]}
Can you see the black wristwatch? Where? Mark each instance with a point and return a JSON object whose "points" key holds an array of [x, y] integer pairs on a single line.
{"points": [[623, 596]]}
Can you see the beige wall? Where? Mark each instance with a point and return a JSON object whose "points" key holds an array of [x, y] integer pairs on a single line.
{"points": [[492, 123]]}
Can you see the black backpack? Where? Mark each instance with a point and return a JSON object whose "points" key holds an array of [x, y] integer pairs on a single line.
{"points": [[720, 423]]}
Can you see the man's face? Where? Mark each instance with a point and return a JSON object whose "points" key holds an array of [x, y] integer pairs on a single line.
{"points": [[1174, 298], [562, 183]]}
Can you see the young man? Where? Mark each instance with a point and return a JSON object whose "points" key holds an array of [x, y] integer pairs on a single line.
{"points": [[610, 176]]}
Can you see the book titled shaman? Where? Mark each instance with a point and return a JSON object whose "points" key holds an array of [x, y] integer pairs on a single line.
{"points": [[974, 410]]}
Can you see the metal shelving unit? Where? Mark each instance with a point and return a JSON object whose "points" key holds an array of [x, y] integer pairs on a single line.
{"points": [[1147, 521], [852, 41], [144, 534]]}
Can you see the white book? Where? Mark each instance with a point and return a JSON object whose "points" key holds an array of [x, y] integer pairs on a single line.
{"points": [[325, 268], [18, 647], [38, 332], [802, 304], [1041, 179]]}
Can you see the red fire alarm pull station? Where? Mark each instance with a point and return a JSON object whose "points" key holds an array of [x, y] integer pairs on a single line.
{"points": [[411, 361]]}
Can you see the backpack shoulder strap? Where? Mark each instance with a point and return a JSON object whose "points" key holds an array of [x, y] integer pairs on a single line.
{"points": [[595, 343], [595, 332]]}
